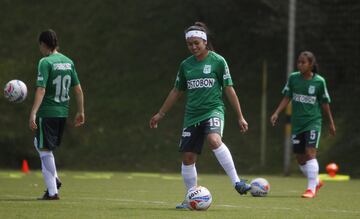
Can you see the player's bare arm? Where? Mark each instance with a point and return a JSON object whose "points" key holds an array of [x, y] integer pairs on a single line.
{"points": [[39, 95], [80, 115], [327, 111], [284, 102], [235, 103], [173, 96]]}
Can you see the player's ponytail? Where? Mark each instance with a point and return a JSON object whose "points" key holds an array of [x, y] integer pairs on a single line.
{"points": [[202, 27]]}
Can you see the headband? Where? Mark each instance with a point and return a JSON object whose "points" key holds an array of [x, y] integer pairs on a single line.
{"points": [[196, 33]]}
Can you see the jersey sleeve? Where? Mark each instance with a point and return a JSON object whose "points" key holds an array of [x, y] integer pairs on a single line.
{"points": [[180, 82], [324, 96], [224, 77], [44, 68], [74, 77], [287, 90]]}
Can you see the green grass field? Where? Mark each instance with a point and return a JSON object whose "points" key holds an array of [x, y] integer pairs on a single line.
{"points": [[152, 195]]}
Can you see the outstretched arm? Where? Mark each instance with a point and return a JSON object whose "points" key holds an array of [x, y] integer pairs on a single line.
{"points": [[173, 96], [39, 95], [80, 115], [284, 102], [235, 103], [327, 111]]}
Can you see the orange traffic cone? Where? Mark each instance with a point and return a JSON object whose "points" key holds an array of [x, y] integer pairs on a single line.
{"points": [[25, 167]]}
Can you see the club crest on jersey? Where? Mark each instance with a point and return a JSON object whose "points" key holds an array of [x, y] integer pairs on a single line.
{"points": [[207, 69], [311, 89]]}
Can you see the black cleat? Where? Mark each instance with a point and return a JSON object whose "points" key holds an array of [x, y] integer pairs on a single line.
{"points": [[58, 183], [46, 196]]}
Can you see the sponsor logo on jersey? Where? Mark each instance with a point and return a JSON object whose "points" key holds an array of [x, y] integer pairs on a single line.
{"points": [[227, 73], [311, 89], [200, 83], [326, 94], [207, 69], [62, 66], [304, 98], [40, 77], [286, 88]]}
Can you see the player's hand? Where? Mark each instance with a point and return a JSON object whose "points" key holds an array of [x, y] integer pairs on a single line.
{"points": [[32, 122], [273, 119], [155, 120], [332, 129], [79, 119], [243, 125]]}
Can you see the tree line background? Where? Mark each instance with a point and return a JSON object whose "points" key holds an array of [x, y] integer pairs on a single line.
{"points": [[127, 55]]}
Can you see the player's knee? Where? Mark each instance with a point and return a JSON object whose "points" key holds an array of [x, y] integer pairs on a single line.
{"points": [[301, 159], [214, 141], [189, 158]]}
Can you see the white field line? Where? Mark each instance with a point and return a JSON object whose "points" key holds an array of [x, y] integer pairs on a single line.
{"points": [[339, 211], [222, 205]]}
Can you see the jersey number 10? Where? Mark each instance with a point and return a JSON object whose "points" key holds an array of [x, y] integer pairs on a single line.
{"points": [[62, 88]]}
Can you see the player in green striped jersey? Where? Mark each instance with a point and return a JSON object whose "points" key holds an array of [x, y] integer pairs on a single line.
{"points": [[309, 97], [203, 77], [56, 75]]}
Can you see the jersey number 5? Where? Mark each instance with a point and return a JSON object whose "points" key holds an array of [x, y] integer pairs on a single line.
{"points": [[62, 88]]}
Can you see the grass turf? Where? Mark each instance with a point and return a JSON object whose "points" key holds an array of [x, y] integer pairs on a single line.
{"points": [[153, 195]]}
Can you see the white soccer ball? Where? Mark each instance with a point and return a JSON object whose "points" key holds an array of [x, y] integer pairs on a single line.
{"points": [[15, 91], [260, 187], [198, 198]]}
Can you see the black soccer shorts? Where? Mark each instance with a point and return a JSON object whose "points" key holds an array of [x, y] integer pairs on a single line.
{"points": [[49, 132], [305, 139], [192, 138]]}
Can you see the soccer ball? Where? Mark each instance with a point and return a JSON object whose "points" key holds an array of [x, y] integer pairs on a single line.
{"points": [[15, 91], [198, 198], [260, 187]]}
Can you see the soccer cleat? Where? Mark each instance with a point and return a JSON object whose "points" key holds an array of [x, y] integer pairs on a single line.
{"points": [[242, 187], [318, 186], [58, 183], [183, 205], [46, 196], [308, 194]]}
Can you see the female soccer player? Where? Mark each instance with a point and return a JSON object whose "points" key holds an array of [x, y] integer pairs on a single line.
{"points": [[309, 97], [203, 76], [56, 74]]}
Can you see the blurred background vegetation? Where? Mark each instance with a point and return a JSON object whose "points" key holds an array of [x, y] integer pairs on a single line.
{"points": [[127, 53]]}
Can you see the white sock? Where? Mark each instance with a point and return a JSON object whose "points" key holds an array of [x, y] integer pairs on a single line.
{"points": [[224, 157], [312, 167], [304, 171], [189, 175], [49, 170]]}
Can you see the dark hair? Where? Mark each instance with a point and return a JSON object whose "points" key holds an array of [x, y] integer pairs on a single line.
{"points": [[202, 27], [49, 38], [311, 58]]}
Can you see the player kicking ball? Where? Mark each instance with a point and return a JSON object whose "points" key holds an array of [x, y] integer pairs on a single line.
{"points": [[203, 77]]}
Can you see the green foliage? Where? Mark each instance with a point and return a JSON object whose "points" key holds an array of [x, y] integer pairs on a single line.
{"points": [[127, 54]]}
